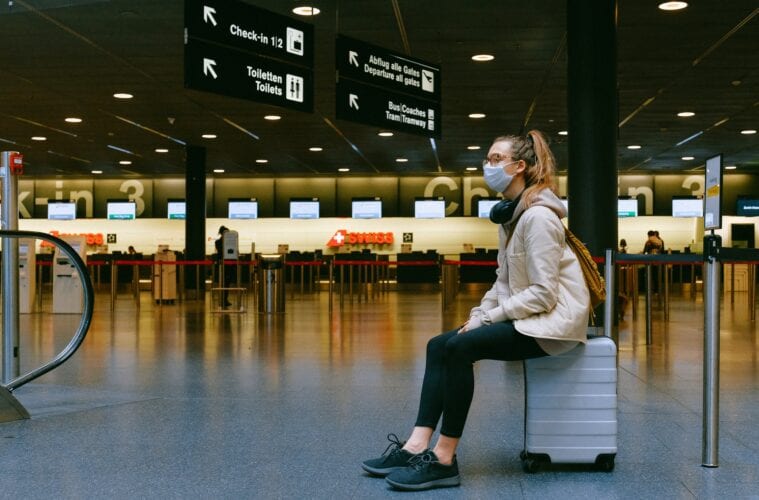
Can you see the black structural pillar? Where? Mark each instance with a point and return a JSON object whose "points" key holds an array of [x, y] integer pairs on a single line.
{"points": [[195, 219], [592, 109]]}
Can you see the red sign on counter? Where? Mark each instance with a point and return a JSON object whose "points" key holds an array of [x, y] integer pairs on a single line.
{"points": [[343, 237]]}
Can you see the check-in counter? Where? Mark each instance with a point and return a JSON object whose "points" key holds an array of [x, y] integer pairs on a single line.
{"points": [[477, 273], [426, 271]]}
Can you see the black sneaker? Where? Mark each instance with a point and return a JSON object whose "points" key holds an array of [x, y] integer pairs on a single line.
{"points": [[424, 472], [393, 458]]}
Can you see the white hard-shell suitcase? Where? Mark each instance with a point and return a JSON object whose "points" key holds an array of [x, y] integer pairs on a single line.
{"points": [[571, 407]]}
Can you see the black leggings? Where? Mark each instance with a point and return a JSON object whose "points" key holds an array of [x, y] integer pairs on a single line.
{"points": [[448, 383]]}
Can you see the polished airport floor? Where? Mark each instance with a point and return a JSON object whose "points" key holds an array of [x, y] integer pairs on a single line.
{"points": [[180, 402]]}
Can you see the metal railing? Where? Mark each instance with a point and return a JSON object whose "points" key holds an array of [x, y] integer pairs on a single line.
{"points": [[84, 323]]}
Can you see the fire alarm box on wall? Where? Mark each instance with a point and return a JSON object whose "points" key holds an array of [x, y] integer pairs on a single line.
{"points": [[16, 163]]}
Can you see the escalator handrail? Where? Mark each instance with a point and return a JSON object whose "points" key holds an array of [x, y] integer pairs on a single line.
{"points": [[89, 303]]}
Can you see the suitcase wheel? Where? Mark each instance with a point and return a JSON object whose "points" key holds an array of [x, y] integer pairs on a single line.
{"points": [[531, 462], [605, 462], [530, 465]]}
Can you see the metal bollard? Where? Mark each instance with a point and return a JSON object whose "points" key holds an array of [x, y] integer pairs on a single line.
{"points": [[710, 434], [649, 292], [610, 294]]}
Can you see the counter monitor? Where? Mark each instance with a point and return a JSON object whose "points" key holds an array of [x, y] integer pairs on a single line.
{"points": [[366, 208], [484, 205], [627, 207], [61, 210], [428, 208], [687, 206], [747, 206], [304, 208], [177, 209], [121, 209], [243, 208]]}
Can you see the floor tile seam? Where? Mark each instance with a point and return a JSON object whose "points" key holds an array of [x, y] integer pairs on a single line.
{"points": [[658, 389], [90, 408]]}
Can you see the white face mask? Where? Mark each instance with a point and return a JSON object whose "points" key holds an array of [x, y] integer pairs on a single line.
{"points": [[496, 177]]}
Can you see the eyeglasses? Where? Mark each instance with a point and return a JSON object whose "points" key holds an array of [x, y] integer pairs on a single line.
{"points": [[497, 158]]}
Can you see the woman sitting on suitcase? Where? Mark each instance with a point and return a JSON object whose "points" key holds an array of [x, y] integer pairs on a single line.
{"points": [[538, 306]]}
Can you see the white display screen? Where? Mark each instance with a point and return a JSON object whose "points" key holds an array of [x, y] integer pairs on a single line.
{"points": [[687, 207], [121, 210], [484, 206], [627, 208], [61, 210], [366, 209], [304, 209], [243, 209], [177, 209], [429, 209]]}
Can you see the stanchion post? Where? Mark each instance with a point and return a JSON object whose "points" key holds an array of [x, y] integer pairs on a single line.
{"points": [[752, 291], [10, 305], [666, 269], [649, 292], [610, 295], [710, 435], [330, 285], [114, 289]]}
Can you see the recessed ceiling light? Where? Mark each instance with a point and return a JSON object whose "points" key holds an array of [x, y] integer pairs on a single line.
{"points": [[272, 118], [39, 138], [72, 119], [673, 5], [473, 148], [401, 160], [122, 95], [472, 168], [315, 149], [218, 171], [688, 158], [161, 150], [563, 132], [633, 146], [343, 169], [385, 134], [306, 11], [748, 131], [730, 167], [208, 136], [125, 162], [686, 114], [97, 171], [262, 160], [476, 116], [483, 57]]}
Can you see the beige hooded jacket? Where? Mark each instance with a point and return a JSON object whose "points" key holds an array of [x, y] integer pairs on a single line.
{"points": [[539, 282]]}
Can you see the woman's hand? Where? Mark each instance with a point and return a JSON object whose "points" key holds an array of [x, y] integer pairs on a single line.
{"points": [[474, 322]]}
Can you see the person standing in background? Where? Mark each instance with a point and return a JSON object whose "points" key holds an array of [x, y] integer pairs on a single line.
{"points": [[226, 274], [652, 244]]}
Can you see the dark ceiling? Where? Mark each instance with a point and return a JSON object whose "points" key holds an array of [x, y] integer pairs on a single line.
{"points": [[62, 58]]}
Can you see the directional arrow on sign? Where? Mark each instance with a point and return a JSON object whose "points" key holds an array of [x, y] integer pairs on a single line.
{"points": [[208, 13], [353, 101], [353, 58], [208, 65]]}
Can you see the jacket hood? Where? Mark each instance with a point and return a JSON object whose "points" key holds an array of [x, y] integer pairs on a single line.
{"points": [[545, 198]]}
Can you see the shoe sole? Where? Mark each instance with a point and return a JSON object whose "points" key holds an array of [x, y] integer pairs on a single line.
{"points": [[444, 482], [380, 472]]}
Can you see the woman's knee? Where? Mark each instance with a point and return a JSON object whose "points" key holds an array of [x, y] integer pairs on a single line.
{"points": [[456, 348], [436, 345]]}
